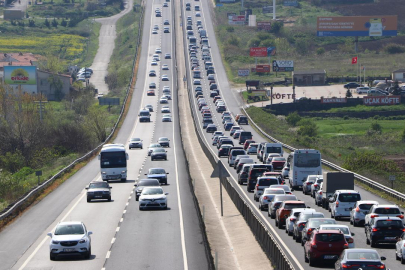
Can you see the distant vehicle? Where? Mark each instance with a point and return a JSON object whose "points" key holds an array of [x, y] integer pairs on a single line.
{"points": [[164, 141], [141, 184], [168, 56], [303, 162], [351, 85], [153, 146], [165, 77], [135, 143], [166, 118], [362, 90], [159, 174], [98, 190], [144, 115], [165, 67], [153, 197], [359, 212], [158, 153], [400, 249], [152, 73], [113, 162]]}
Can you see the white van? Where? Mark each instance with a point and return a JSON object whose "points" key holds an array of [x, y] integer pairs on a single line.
{"points": [[342, 202], [275, 148]]}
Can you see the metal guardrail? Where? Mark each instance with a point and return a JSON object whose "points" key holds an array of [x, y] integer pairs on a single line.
{"points": [[35, 190], [371, 183]]}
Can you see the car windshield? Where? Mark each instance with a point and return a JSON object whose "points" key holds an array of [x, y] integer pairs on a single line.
{"points": [[345, 230], [389, 224], [99, 185], [290, 206], [159, 150], [349, 197], [163, 139], [274, 191], [157, 171], [69, 229], [143, 183], [308, 216], [387, 211], [318, 222], [363, 256], [329, 237], [365, 206], [154, 145], [152, 191], [308, 160]]}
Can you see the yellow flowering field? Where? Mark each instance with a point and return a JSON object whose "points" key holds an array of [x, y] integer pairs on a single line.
{"points": [[64, 45]]}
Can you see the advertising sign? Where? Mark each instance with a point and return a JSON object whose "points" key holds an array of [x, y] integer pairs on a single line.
{"points": [[259, 93], [258, 52], [262, 68], [267, 9], [290, 3], [243, 72], [333, 100], [264, 26], [238, 18], [283, 65], [25, 75], [230, 15], [362, 26], [381, 100], [227, 1]]}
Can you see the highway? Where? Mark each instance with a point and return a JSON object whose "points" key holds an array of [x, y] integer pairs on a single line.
{"points": [[233, 103], [123, 237]]}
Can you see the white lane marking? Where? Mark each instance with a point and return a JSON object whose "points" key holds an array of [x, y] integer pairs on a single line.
{"points": [[274, 232], [108, 254], [46, 237], [112, 241], [121, 220], [124, 211], [118, 229], [183, 242]]}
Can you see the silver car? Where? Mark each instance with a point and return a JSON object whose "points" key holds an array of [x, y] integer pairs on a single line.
{"points": [[306, 186], [153, 146], [153, 197], [267, 197], [315, 186], [289, 227], [359, 212], [318, 196], [158, 153], [276, 203]]}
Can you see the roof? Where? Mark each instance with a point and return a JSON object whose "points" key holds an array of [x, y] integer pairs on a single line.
{"points": [[367, 202], [330, 231], [17, 59], [399, 70], [313, 72], [386, 206]]}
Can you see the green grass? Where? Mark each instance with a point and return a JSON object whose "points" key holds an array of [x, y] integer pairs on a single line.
{"points": [[92, 45], [364, 108]]}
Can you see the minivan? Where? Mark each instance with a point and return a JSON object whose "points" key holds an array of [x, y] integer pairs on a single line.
{"points": [[342, 202], [144, 116], [232, 155], [245, 135], [203, 33]]}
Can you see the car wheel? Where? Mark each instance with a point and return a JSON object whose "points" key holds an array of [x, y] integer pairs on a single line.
{"points": [[123, 179], [289, 233], [140, 208], [88, 200], [311, 261], [331, 215], [402, 260], [52, 257], [276, 222], [109, 199], [87, 255], [136, 198], [166, 182], [372, 243], [297, 239], [293, 235], [165, 158], [268, 214], [396, 256], [272, 216], [367, 241], [151, 159], [302, 242], [280, 226], [350, 221]]}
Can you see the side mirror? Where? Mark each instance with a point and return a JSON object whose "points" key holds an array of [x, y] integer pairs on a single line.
{"points": [[86, 187], [353, 234], [402, 213], [167, 173], [383, 258], [89, 233], [136, 185], [49, 234], [145, 174], [110, 187], [308, 206], [329, 196], [167, 193]]}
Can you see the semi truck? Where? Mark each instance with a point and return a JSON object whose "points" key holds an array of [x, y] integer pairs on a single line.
{"points": [[333, 181]]}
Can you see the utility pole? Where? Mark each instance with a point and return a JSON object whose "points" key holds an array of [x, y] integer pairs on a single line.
{"points": [[274, 9]]}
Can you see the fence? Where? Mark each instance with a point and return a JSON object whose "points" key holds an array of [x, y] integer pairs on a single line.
{"points": [[19, 203]]}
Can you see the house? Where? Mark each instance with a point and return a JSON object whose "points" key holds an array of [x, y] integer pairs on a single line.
{"points": [[45, 86], [398, 75], [309, 77]]}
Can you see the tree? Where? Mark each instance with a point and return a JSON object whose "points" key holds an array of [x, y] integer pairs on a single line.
{"points": [[276, 26], [293, 118], [47, 24], [63, 23], [348, 93], [54, 23], [56, 84], [307, 128], [97, 122]]}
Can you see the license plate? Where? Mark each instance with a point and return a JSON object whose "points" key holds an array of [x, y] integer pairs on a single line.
{"points": [[389, 238], [68, 249], [98, 196], [329, 257]]}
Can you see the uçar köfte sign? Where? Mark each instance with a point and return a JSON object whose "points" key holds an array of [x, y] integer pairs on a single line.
{"points": [[361, 26], [24, 75], [381, 100]]}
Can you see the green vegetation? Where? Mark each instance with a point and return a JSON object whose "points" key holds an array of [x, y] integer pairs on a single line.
{"points": [[365, 108]]}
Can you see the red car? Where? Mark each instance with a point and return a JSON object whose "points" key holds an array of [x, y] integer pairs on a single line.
{"points": [[246, 144], [324, 246], [150, 92], [278, 163]]}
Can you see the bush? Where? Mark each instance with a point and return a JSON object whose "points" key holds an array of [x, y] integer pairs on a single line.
{"points": [[348, 93], [263, 36], [393, 48], [276, 27], [233, 40], [293, 118], [254, 42], [320, 51], [267, 43], [346, 117], [375, 129], [230, 29], [12, 162], [307, 128]]}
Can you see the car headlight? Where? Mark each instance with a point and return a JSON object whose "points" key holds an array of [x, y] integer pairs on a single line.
{"points": [[90, 192], [55, 242], [103, 172], [124, 171], [82, 241], [106, 192]]}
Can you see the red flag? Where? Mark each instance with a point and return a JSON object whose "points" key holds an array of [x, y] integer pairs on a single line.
{"points": [[354, 60]]}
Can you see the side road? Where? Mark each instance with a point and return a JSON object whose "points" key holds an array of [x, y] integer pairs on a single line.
{"points": [[229, 235], [106, 44]]}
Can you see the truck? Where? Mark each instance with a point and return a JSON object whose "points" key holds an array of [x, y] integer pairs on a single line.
{"points": [[333, 181]]}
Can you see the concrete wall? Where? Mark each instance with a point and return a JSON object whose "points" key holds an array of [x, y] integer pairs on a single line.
{"points": [[45, 88]]}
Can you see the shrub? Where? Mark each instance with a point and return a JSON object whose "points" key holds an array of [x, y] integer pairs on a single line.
{"points": [[276, 27], [374, 129], [307, 128], [254, 42], [12, 162], [293, 118], [267, 43], [230, 29], [233, 40], [320, 51], [263, 36], [346, 117], [348, 93], [393, 48]]}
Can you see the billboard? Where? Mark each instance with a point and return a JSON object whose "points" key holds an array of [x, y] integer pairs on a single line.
{"points": [[267, 9], [262, 68], [259, 93], [238, 18], [20, 75], [361, 26], [243, 72], [333, 100], [283, 65], [381, 100], [258, 52], [264, 26], [290, 3]]}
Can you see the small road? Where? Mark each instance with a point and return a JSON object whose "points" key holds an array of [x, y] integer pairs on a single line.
{"points": [[105, 48]]}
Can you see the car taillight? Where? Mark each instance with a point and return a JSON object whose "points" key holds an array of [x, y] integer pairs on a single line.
{"points": [[373, 216], [375, 229], [346, 245], [401, 216], [403, 231], [350, 240], [320, 192], [337, 204], [292, 219], [345, 265], [381, 266], [257, 187], [309, 231], [315, 185], [265, 197], [357, 209], [313, 245]]}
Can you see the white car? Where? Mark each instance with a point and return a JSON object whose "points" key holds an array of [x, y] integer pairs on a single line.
{"points": [[285, 171], [198, 14], [270, 157], [163, 100], [286, 188], [153, 197], [70, 238], [344, 229], [342, 203], [400, 249], [153, 63], [387, 210], [166, 118], [359, 212], [158, 50], [154, 32], [156, 56], [289, 223], [135, 143], [318, 196], [217, 133], [197, 82], [315, 186], [362, 90], [156, 27], [165, 77], [252, 149], [165, 109], [165, 67], [267, 197]]}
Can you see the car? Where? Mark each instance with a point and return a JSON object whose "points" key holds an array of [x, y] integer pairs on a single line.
{"points": [[100, 95], [301, 221], [150, 92], [198, 14], [386, 210], [227, 119], [270, 157], [168, 56], [158, 14], [70, 238], [276, 203], [164, 141], [237, 159], [154, 32], [166, 118], [224, 141], [306, 186], [149, 107], [324, 246], [359, 212], [312, 224], [165, 4], [342, 202], [344, 229], [165, 77], [267, 196], [152, 86], [221, 108], [285, 171], [163, 100], [188, 8], [198, 88], [153, 63], [228, 125], [384, 230], [159, 174], [362, 90], [351, 85], [217, 133], [165, 67], [166, 22], [153, 197], [166, 30], [142, 183], [400, 249], [354, 257], [98, 190], [211, 128], [316, 185], [197, 82], [223, 151], [284, 211], [158, 50], [243, 120], [135, 143], [292, 217], [156, 56], [158, 153], [153, 146]]}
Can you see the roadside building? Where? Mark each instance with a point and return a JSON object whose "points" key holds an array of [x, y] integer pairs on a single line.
{"points": [[398, 75], [53, 86], [309, 77]]}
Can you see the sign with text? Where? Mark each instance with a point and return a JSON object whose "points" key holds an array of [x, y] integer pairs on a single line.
{"points": [[262, 68], [259, 93], [283, 65], [283, 96], [264, 26], [258, 52], [23, 75], [230, 15], [381, 100], [243, 72], [290, 3], [333, 100], [238, 18], [361, 26], [267, 9]]}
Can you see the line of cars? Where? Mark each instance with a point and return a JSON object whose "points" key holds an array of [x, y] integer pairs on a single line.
{"points": [[83, 74]]}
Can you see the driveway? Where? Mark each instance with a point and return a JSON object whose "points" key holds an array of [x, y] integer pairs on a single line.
{"points": [[105, 48]]}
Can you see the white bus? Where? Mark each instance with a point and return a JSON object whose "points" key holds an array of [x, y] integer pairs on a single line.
{"points": [[272, 148], [113, 162], [303, 162]]}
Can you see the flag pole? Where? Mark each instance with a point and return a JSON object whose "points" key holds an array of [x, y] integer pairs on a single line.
{"points": [[360, 75]]}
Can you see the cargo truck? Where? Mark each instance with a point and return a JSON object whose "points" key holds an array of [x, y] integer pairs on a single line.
{"points": [[333, 181]]}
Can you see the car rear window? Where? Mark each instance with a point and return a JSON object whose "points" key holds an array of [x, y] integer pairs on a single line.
{"points": [[317, 223], [268, 182], [349, 197], [387, 211], [389, 223], [329, 237], [308, 216], [365, 206], [274, 192], [148, 183], [290, 206], [238, 152]]}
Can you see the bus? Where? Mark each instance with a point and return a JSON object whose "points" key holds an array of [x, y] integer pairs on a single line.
{"points": [[113, 162], [303, 162]]}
